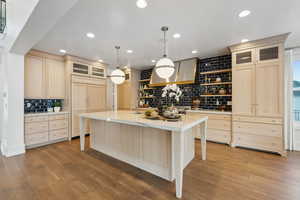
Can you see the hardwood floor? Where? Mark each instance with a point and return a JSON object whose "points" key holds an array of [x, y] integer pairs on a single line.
{"points": [[62, 172]]}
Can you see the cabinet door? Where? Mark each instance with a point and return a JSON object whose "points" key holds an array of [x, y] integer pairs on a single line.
{"points": [[269, 90], [96, 98], [243, 90], [79, 105], [34, 78], [268, 54], [124, 95], [55, 79], [243, 58]]}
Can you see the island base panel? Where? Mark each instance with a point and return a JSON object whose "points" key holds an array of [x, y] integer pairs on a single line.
{"points": [[149, 149]]}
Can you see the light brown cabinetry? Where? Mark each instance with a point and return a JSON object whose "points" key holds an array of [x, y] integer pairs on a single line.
{"points": [[243, 92], [128, 91], [46, 129], [257, 102], [44, 76], [34, 77], [218, 127], [55, 79], [87, 96]]}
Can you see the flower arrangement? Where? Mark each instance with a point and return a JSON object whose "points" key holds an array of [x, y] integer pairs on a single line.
{"points": [[170, 92]]}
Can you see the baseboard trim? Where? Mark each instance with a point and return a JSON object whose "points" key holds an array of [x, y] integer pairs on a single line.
{"points": [[15, 150]]}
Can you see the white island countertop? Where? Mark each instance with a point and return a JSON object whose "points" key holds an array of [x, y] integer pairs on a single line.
{"points": [[132, 118]]}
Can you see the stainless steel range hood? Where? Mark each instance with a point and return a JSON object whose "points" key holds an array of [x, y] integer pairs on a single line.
{"points": [[185, 72]]}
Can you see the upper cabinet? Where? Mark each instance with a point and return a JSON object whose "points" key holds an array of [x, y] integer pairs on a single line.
{"points": [[44, 76], [88, 70], [34, 77], [243, 57], [257, 69], [268, 54], [55, 76]]}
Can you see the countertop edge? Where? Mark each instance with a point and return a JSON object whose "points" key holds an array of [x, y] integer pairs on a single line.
{"points": [[210, 112], [143, 124], [45, 113]]}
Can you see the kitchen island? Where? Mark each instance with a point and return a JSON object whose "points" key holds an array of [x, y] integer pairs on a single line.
{"points": [[159, 147]]}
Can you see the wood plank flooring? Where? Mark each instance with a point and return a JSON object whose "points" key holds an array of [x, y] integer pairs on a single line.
{"points": [[62, 172]]}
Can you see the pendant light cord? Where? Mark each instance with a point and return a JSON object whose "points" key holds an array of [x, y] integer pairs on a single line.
{"points": [[165, 46], [118, 56]]}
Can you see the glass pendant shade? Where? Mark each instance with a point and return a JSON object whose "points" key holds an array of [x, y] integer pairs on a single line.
{"points": [[117, 76], [141, 3], [165, 68]]}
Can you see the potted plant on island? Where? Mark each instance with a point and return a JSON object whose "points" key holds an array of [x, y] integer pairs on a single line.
{"points": [[171, 93], [57, 106]]}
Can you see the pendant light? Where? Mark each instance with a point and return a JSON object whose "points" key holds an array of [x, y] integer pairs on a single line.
{"points": [[141, 3], [117, 76], [165, 66], [2, 15]]}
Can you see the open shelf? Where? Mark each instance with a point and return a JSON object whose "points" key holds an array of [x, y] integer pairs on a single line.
{"points": [[219, 83], [217, 71], [144, 80], [216, 95], [147, 97], [147, 89]]}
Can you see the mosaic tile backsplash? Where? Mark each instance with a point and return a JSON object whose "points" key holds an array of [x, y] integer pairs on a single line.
{"points": [[193, 91], [39, 105]]}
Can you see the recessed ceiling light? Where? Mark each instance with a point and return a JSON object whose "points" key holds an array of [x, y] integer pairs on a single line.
{"points": [[100, 60], [153, 61], [90, 35], [244, 40], [62, 51], [244, 13], [194, 51], [129, 51], [141, 3], [176, 35]]}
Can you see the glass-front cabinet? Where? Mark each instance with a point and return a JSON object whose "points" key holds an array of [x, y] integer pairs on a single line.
{"points": [[243, 58], [268, 54]]}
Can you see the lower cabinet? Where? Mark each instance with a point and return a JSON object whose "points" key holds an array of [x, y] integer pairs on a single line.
{"points": [[258, 133], [218, 128], [46, 129]]}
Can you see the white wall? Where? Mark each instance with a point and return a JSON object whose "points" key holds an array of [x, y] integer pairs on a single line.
{"points": [[27, 22], [12, 142], [2, 82]]}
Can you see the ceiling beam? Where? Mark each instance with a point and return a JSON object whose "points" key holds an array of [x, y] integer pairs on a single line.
{"points": [[43, 18]]}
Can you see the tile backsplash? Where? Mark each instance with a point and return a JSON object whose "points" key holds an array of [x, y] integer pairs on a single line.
{"points": [[39, 105], [193, 91]]}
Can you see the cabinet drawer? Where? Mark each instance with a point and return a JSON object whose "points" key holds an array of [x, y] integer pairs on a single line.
{"points": [[219, 124], [58, 134], [219, 117], [36, 127], [36, 138], [273, 144], [58, 124], [258, 119], [218, 136], [211, 116], [36, 119], [58, 117], [258, 129]]}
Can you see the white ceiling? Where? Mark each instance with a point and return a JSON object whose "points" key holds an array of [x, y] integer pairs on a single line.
{"points": [[208, 26]]}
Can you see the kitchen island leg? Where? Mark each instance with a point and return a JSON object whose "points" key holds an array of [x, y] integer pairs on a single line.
{"points": [[178, 159], [82, 133], [203, 133]]}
